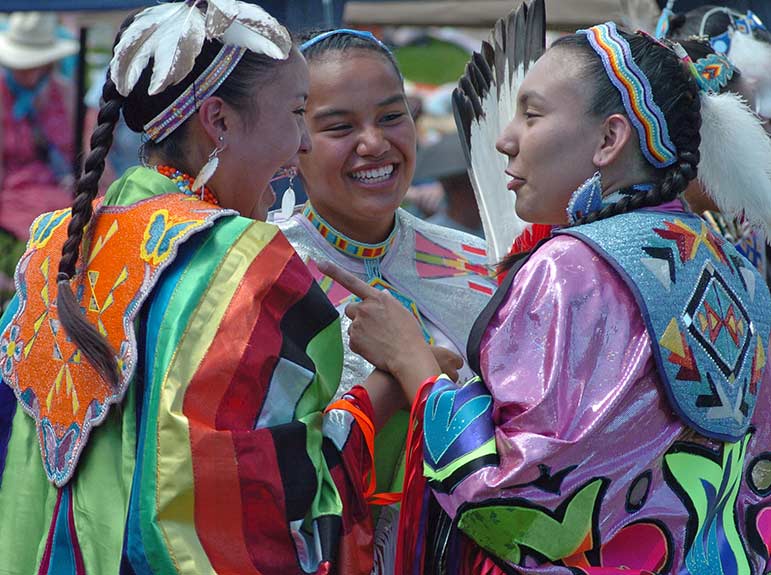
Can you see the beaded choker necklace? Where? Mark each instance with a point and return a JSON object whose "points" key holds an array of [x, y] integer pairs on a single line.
{"points": [[185, 184], [345, 244], [370, 254]]}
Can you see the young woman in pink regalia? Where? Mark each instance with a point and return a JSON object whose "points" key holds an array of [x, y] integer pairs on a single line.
{"points": [[621, 420]]}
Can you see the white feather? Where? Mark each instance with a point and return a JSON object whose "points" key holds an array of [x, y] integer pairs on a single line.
{"points": [[259, 32], [172, 35], [177, 46], [732, 136], [207, 171], [219, 16], [497, 205], [137, 45], [753, 59]]}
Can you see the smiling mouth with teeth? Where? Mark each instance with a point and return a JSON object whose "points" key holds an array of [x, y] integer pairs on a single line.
{"points": [[374, 176]]}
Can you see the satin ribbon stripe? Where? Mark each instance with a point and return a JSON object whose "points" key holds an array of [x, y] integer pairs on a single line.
{"points": [[187, 102], [636, 93]]}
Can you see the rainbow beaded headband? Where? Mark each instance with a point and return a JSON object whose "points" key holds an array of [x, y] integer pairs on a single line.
{"points": [[188, 101], [343, 32], [636, 93]]}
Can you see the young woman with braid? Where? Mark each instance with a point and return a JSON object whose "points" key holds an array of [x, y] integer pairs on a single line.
{"points": [[173, 361], [621, 422]]}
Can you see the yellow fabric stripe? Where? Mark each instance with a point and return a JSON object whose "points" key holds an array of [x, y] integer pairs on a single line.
{"points": [[175, 489]]}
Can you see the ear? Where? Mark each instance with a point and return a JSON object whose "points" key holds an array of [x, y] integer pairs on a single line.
{"points": [[215, 117], [617, 130]]}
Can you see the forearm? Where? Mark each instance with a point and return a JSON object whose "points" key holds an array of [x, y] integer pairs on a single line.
{"points": [[385, 395]]}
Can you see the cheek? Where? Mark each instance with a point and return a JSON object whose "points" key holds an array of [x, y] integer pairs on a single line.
{"points": [[328, 157]]}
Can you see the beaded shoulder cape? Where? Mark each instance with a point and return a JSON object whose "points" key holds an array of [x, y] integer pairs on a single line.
{"points": [[707, 309], [127, 250]]}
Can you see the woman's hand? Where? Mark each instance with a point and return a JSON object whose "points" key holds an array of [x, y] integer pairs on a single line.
{"points": [[449, 361], [385, 333]]}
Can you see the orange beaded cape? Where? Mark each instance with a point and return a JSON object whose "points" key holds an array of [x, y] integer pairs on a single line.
{"points": [[63, 393]]}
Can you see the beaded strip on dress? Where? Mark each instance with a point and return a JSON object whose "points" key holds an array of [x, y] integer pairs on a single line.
{"points": [[369, 253], [185, 184], [635, 91], [187, 102]]}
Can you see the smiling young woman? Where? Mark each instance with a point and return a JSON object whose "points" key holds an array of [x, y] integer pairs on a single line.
{"points": [[356, 174]]}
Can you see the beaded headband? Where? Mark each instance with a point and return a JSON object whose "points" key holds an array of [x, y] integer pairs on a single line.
{"points": [[188, 101], [344, 32], [636, 93]]}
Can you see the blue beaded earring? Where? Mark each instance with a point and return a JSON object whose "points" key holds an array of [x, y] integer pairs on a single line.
{"points": [[586, 199]]}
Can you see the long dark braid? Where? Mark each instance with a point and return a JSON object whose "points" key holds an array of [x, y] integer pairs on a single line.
{"points": [[678, 97], [85, 336]]}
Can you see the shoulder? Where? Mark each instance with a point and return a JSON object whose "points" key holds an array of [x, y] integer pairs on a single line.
{"points": [[566, 267]]}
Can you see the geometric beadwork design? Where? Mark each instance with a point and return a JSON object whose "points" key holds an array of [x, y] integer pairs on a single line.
{"points": [[707, 310], [717, 319]]}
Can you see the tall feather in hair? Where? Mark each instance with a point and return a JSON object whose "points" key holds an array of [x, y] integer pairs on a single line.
{"points": [[484, 103]]}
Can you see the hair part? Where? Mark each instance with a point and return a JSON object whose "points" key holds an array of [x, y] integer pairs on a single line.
{"points": [[344, 43]]}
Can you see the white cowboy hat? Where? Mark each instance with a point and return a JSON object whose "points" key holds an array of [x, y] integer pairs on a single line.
{"points": [[30, 41]]}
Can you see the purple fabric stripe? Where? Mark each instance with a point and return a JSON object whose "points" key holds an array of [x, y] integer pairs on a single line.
{"points": [[44, 562], [7, 412]]}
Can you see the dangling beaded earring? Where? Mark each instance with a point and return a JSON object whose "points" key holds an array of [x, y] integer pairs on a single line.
{"points": [[208, 169], [288, 199], [586, 199]]}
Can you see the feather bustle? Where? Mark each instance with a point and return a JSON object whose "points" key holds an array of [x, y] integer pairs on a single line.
{"points": [[726, 119]]}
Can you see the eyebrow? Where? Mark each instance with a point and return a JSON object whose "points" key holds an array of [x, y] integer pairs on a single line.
{"points": [[524, 97], [392, 100], [331, 112]]}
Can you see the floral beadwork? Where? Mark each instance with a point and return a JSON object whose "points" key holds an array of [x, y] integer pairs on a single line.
{"points": [[10, 349]]}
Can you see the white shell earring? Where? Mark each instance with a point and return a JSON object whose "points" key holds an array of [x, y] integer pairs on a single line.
{"points": [[208, 169], [288, 200]]}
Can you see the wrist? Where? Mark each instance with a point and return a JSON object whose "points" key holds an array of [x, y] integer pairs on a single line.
{"points": [[413, 369]]}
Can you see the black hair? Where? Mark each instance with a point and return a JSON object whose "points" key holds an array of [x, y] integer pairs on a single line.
{"points": [[345, 43], [675, 91], [138, 109]]}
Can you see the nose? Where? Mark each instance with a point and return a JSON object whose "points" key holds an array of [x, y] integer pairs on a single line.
{"points": [[508, 141], [372, 142]]}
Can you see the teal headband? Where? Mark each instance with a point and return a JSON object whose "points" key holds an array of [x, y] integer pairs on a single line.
{"points": [[636, 93], [344, 32]]}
